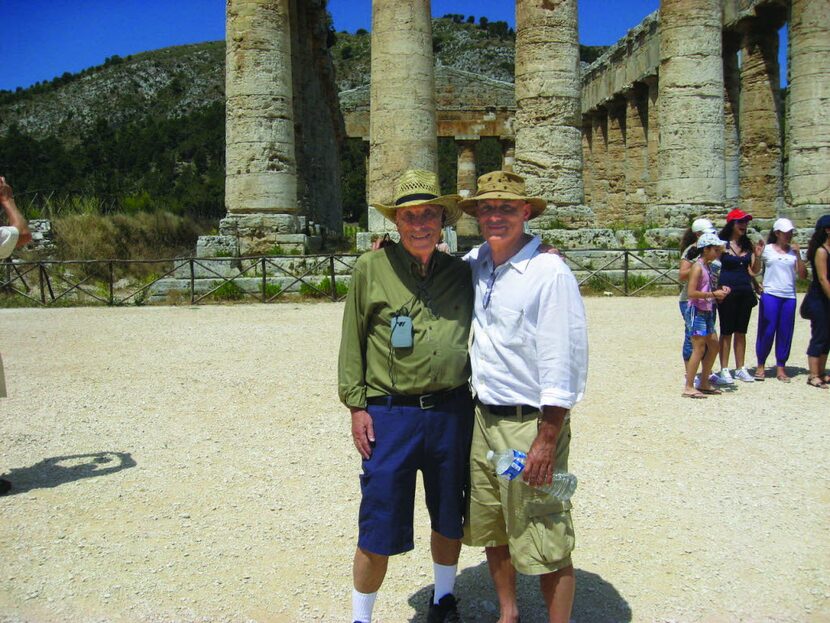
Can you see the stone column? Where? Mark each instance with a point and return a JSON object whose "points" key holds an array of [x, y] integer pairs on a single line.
{"points": [[508, 153], [653, 136], [548, 117], [691, 111], [731, 108], [599, 161], [467, 225], [761, 182], [587, 159], [808, 111], [615, 162], [261, 174], [636, 154], [402, 127]]}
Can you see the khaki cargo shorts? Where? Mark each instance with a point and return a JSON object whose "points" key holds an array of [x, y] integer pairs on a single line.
{"points": [[538, 530]]}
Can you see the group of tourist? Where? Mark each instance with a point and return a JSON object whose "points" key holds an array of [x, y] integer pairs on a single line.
{"points": [[405, 375], [722, 275]]}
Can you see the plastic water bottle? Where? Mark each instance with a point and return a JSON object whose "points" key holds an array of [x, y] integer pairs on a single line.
{"points": [[510, 463]]}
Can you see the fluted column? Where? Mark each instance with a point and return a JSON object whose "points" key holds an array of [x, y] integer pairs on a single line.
{"points": [[508, 153], [691, 147], [466, 176], [402, 127], [587, 160], [599, 161], [731, 108], [615, 163], [548, 134], [761, 183], [808, 111], [636, 153], [261, 172], [653, 135]]}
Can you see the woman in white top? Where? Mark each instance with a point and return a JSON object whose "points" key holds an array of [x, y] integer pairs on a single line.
{"points": [[776, 316]]}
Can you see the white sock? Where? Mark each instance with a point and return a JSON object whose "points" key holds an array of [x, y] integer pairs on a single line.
{"points": [[444, 580], [362, 605]]}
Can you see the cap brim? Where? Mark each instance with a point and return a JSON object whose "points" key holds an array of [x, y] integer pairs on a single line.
{"points": [[448, 202]]}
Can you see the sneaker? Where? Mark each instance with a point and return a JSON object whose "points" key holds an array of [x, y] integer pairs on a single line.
{"points": [[696, 382], [714, 379], [725, 377], [744, 375], [445, 610]]}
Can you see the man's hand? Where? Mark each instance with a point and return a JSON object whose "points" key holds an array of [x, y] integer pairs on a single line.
{"points": [[538, 469], [546, 248], [363, 432]]}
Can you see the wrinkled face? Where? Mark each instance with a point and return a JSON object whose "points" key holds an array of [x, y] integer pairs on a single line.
{"points": [[502, 220], [419, 227]]}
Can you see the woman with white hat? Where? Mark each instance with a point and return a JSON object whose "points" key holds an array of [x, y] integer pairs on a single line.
{"points": [[688, 255], [776, 314]]}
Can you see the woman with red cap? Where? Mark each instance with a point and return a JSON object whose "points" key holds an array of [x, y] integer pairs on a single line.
{"points": [[816, 305], [739, 264]]}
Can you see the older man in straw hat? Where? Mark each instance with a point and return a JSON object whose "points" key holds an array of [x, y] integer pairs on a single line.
{"points": [[529, 362], [403, 374]]}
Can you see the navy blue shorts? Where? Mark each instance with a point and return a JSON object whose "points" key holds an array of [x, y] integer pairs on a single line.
{"points": [[407, 439]]}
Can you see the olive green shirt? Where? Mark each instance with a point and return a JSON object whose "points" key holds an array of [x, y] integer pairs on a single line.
{"points": [[387, 282]]}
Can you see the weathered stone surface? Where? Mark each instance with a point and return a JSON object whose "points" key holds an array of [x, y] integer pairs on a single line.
{"points": [[691, 149], [466, 225], [216, 246], [615, 168], [761, 181], [731, 136], [402, 130], [548, 120], [636, 155], [808, 111]]}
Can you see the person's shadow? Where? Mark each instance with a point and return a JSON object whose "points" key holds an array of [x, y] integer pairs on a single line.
{"points": [[59, 470], [596, 601]]}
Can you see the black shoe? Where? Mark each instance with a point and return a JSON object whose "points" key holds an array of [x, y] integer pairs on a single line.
{"points": [[446, 610], [5, 486]]}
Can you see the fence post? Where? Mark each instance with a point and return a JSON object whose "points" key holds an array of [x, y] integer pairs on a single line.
{"points": [[333, 282], [625, 273], [112, 280], [264, 280], [192, 282], [41, 273]]}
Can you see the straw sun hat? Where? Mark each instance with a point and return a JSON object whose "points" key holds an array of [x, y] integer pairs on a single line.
{"points": [[502, 185], [417, 187]]}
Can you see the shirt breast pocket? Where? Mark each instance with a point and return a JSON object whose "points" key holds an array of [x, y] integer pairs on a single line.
{"points": [[510, 325]]}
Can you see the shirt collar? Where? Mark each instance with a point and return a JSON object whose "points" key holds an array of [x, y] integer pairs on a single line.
{"points": [[408, 260], [520, 259]]}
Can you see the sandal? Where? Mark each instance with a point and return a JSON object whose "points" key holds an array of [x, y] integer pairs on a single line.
{"points": [[816, 381], [783, 379], [695, 396], [711, 391]]}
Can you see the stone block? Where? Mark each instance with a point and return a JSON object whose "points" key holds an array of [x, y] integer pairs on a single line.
{"points": [[216, 246]]}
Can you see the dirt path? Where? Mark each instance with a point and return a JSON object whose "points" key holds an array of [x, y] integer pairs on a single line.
{"points": [[216, 480]]}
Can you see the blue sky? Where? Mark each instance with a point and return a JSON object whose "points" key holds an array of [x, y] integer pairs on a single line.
{"points": [[42, 39]]}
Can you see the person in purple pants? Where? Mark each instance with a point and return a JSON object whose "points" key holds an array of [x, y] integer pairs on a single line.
{"points": [[776, 316]]}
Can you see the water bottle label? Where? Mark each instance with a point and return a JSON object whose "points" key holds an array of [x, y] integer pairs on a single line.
{"points": [[516, 466]]}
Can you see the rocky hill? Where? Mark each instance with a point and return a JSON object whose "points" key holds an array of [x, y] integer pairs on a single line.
{"points": [[174, 82]]}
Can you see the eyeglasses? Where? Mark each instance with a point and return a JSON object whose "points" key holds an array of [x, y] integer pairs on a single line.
{"points": [[489, 293]]}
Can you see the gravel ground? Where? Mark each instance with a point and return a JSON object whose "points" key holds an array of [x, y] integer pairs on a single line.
{"points": [[193, 464]]}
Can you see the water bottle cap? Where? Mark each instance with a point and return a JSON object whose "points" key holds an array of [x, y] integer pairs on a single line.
{"points": [[490, 455]]}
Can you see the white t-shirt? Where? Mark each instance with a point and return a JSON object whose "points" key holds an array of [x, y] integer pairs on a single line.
{"points": [[8, 240], [779, 272]]}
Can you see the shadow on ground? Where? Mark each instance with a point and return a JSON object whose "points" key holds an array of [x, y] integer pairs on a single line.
{"points": [[596, 600], [60, 470]]}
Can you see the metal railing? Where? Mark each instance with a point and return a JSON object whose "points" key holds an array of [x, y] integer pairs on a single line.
{"points": [[55, 282]]}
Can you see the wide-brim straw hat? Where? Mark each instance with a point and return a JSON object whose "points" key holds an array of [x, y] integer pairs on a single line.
{"points": [[502, 185], [417, 187]]}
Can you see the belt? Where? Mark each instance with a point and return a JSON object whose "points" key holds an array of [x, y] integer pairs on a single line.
{"points": [[424, 401], [509, 410]]}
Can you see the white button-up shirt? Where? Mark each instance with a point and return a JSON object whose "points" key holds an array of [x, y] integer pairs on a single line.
{"points": [[8, 240], [530, 339]]}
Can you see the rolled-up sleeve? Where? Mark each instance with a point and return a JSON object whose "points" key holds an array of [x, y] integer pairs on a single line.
{"points": [[8, 240], [562, 342], [351, 365]]}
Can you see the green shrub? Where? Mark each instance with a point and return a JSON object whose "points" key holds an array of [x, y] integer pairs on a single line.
{"points": [[323, 289], [228, 291]]}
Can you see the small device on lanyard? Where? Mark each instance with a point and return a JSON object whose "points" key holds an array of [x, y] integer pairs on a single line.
{"points": [[401, 331]]}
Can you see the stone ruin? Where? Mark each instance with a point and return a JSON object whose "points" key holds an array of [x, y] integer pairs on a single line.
{"points": [[681, 118]]}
